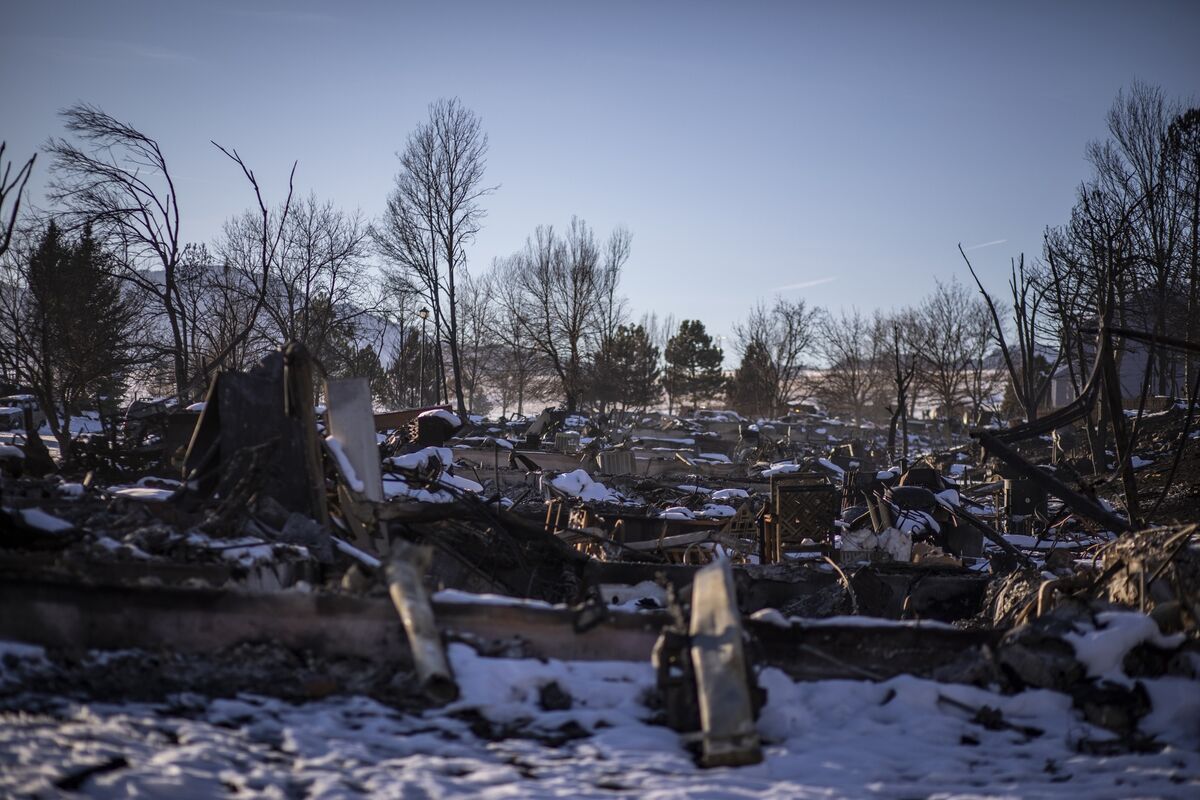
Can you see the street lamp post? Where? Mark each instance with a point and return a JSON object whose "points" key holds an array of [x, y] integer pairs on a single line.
{"points": [[423, 313]]}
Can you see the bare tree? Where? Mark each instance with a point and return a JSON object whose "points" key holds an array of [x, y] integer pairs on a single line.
{"points": [[901, 362], [434, 212], [520, 367], [982, 378], [787, 332], [477, 339], [117, 180], [320, 286], [850, 345], [560, 285], [1030, 383], [1183, 141], [218, 302], [11, 189], [1136, 164], [943, 333]]}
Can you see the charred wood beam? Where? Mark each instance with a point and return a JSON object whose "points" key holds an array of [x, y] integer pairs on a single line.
{"points": [[1074, 500], [68, 615], [993, 536], [407, 588]]}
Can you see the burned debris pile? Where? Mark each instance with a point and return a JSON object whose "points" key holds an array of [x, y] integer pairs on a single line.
{"points": [[256, 543]]}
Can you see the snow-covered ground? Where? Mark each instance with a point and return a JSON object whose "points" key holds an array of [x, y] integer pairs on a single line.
{"points": [[902, 738]]}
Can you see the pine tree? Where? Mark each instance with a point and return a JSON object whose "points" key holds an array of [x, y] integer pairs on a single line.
{"points": [[753, 385], [76, 329], [625, 372], [693, 364]]}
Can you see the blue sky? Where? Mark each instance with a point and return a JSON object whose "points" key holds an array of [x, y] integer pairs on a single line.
{"points": [[842, 148]]}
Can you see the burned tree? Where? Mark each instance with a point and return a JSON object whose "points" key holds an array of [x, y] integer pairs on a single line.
{"points": [[116, 179], [1028, 379], [901, 364]]}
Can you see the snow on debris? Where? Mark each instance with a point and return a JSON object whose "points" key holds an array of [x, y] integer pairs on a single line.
{"points": [[905, 737], [677, 512], [716, 511], [580, 484], [420, 459], [450, 418], [832, 467], [143, 493], [36, 518], [347, 469], [423, 460], [1103, 649], [730, 494]]}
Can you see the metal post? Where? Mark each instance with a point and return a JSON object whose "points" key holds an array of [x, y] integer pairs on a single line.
{"points": [[423, 313]]}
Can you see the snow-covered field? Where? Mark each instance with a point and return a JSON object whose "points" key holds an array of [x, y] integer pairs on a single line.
{"points": [[898, 739]]}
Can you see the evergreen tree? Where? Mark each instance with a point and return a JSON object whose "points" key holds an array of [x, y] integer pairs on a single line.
{"points": [[753, 386], [625, 372], [693, 364], [73, 337]]}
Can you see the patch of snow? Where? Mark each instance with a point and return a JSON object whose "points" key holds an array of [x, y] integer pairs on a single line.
{"points": [[730, 494], [625, 596], [449, 417], [1103, 649], [677, 512], [459, 596], [112, 545], [347, 469], [1175, 711], [143, 493], [420, 459], [821, 739], [832, 467], [36, 518], [716, 511], [580, 484]]}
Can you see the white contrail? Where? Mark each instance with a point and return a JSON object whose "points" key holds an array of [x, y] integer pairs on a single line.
{"points": [[985, 244], [803, 284]]}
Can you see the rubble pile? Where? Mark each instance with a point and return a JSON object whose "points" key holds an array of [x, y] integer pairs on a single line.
{"points": [[304, 553]]}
